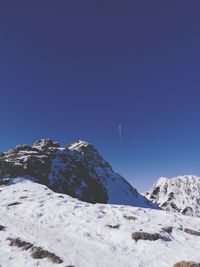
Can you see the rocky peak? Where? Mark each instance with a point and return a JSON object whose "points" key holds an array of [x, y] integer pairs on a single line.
{"points": [[45, 143], [78, 145], [19, 148], [78, 170], [178, 194]]}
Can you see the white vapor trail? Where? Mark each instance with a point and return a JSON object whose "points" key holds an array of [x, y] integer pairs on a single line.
{"points": [[120, 145]]}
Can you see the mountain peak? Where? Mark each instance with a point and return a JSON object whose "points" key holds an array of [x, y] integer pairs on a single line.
{"points": [[77, 145], [179, 194], [162, 180], [79, 171], [45, 143]]}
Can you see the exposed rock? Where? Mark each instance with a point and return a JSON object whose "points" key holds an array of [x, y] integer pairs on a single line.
{"points": [[186, 264], [187, 210], [14, 203], [191, 232], [17, 242], [148, 236], [21, 148], [116, 226], [45, 143], [36, 252], [23, 197], [40, 253], [179, 194], [77, 170], [174, 206], [167, 229], [4, 181], [2, 228], [130, 218]]}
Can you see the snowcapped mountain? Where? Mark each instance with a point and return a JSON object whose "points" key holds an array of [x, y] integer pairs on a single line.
{"points": [[77, 170], [179, 194], [41, 228]]}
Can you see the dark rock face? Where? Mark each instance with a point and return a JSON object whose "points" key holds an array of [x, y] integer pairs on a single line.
{"points": [[63, 171], [187, 210], [168, 229], [156, 190], [2, 228], [77, 170]]}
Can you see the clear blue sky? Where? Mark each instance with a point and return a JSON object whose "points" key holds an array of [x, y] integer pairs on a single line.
{"points": [[77, 69]]}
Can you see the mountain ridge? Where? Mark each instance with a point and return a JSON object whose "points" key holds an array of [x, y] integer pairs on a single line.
{"points": [[180, 194], [77, 170]]}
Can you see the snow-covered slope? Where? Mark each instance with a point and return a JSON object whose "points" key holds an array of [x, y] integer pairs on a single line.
{"points": [[77, 170], [37, 223], [180, 194]]}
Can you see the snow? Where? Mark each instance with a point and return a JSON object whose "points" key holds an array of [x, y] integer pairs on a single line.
{"points": [[78, 232], [77, 145], [178, 194], [119, 191]]}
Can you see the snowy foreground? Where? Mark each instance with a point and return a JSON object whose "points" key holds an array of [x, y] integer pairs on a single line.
{"points": [[89, 235]]}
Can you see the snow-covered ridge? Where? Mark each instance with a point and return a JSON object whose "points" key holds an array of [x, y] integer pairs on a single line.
{"points": [[179, 194], [78, 145], [88, 235], [76, 169]]}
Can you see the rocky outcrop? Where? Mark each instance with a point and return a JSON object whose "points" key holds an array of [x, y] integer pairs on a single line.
{"points": [[186, 264], [180, 194], [149, 236], [77, 170]]}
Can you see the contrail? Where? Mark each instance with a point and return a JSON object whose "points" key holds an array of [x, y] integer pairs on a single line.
{"points": [[120, 145]]}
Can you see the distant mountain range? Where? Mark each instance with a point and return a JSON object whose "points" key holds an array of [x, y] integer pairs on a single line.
{"points": [[77, 170], [180, 194]]}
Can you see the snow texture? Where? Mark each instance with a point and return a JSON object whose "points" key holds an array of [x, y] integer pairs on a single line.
{"points": [[89, 235], [180, 194]]}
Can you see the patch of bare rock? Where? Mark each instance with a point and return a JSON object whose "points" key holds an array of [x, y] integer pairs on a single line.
{"points": [[36, 252], [148, 236], [186, 264]]}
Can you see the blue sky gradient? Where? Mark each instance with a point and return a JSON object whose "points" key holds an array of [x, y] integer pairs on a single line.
{"points": [[77, 69]]}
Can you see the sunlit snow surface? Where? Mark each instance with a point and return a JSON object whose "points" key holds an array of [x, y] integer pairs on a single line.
{"points": [[78, 232]]}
